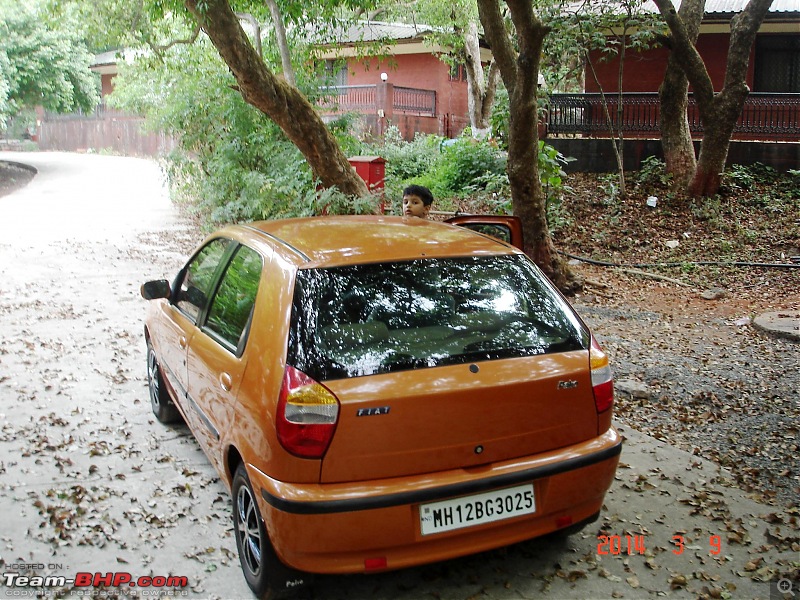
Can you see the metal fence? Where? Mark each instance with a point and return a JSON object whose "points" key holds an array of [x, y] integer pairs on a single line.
{"points": [[764, 116]]}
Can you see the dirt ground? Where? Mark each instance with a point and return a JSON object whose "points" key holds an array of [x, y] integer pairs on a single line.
{"points": [[696, 373], [690, 367]]}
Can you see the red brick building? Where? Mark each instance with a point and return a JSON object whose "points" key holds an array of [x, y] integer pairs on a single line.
{"points": [[774, 58], [392, 75], [771, 111]]}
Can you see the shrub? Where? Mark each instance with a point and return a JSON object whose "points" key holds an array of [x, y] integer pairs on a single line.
{"points": [[232, 162], [465, 165], [652, 173]]}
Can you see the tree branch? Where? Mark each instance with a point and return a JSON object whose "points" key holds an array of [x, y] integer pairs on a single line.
{"points": [[744, 27], [283, 45], [273, 96], [494, 29], [160, 49], [684, 49]]}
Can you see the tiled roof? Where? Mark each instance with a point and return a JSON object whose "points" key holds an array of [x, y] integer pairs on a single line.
{"points": [[735, 6], [713, 7], [106, 58], [372, 31]]}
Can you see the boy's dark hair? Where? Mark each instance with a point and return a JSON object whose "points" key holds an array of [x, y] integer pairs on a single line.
{"points": [[421, 191]]}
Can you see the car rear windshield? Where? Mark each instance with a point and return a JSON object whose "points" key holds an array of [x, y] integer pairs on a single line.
{"points": [[378, 318]]}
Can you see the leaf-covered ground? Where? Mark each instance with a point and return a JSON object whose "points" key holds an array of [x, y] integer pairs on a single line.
{"points": [[92, 483], [691, 368]]}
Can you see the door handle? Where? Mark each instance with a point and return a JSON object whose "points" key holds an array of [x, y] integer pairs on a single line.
{"points": [[226, 382], [183, 342]]}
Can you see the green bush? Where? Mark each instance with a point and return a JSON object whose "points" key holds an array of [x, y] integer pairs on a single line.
{"points": [[465, 165], [652, 173], [552, 174], [405, 161], [449, 168], [499, 118], [232, 163]]}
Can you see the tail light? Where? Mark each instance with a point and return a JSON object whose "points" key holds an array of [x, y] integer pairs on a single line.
{"points": [[307, 415], [602, 379]]}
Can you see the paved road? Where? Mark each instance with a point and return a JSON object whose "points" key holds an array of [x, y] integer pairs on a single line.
{"points": [[89, 482]]}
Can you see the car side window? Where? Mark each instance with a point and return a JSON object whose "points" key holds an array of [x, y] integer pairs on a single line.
{"points": [[197, 278], [233, 303]]}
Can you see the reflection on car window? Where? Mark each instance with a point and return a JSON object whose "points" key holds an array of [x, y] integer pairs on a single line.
{"points": [[234, 300], [198, 277], [501, 232], [378, 318]]}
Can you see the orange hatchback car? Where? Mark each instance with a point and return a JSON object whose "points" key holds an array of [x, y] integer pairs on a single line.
{"points": [[381, 392]]}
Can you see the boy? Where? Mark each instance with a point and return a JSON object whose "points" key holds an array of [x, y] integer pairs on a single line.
{"points": [[417, 201]]}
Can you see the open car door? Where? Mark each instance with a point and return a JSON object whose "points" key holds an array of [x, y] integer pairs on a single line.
{"points": [[506, 229]]}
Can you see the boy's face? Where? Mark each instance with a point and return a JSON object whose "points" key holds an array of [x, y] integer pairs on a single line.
{"points": [[413, 206]]}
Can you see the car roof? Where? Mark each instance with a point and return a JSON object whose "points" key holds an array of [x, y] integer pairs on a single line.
{"points": [[341, 240]]}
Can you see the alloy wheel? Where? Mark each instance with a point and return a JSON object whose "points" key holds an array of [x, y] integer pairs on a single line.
{"points": [[248, 530]]}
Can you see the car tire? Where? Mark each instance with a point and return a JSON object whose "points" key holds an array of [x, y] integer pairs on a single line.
{"points": [[163, 407], [266, 575]]}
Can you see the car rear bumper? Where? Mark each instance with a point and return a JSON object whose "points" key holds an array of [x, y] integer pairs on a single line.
{"points": [[356, 527]]}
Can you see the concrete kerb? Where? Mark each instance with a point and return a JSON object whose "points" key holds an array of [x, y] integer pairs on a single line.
{"points": [[782, 323], [20, 165]]}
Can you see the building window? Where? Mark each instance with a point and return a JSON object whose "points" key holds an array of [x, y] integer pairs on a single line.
{"points": [[335, 73], [777, 67], [458, 73]]}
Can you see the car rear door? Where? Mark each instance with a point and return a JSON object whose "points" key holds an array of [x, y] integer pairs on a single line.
{"points": [[505, 228], [216, 360]]}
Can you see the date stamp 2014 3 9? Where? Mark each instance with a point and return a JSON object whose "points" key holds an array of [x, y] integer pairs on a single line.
{"points": [[635, 544]]}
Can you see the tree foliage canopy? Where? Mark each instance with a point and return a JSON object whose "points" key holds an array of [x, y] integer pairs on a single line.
{"points": [[42, 62], [232, 162]]}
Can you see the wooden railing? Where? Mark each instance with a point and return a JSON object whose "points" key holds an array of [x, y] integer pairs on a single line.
{"points": [[764, 116], [363, 98], [356, 98], [414, 100]]}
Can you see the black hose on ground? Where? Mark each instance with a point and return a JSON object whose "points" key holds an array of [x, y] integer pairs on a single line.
{"points": [[716, 263]]}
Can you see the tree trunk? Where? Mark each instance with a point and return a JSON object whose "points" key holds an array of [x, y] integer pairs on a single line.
{"points": [[281, 102], [480, 89], [520, 73], [676, 139], [716, 140], [719, 112]]}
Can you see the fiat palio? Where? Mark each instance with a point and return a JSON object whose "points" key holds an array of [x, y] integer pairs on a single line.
{"points": [[381, 392]]}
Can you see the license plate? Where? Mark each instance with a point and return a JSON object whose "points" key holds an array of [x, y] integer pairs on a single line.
{"points": [[467, 511]]}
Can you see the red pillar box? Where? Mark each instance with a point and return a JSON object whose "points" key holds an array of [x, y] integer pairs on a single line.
{"points": [[372, 169]]}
